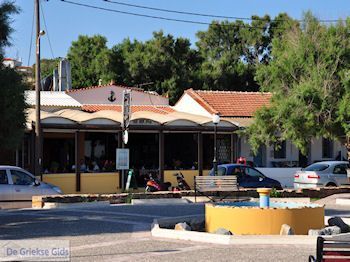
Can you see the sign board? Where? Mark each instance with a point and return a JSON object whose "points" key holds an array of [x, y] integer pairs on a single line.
{"points": [[122, 161], [126, 108]]}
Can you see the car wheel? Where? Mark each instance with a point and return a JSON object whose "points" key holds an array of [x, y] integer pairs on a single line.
{"points": [[331, 185]]}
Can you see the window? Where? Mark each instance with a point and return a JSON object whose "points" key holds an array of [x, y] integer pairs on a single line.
{"points": [[317, 167], [21, 178], [327, 148], [221, 171], [340, 169], [3, 177], [280, 152], [252, 172], [236, 171]]}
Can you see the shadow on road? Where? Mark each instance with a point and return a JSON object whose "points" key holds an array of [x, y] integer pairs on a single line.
{"points": [[25, 224]]}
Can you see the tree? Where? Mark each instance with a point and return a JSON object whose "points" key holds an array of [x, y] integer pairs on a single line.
{"points": [[47, 66], [89, 57], [12, 103], [168, 63], [7, 8], [232, 51], [309, 78]]}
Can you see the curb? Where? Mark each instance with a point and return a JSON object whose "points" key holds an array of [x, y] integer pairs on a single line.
{"points": [[75, 205], [204, 237], [342, 201], [159, 201]]}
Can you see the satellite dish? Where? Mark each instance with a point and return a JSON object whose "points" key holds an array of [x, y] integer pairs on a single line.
{"points": [[125, 137]]}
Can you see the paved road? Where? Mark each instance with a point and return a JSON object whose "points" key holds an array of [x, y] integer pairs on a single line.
{"points": [[121, 233]]}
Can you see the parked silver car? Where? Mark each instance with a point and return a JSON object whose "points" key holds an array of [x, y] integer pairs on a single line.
{"points": [[322, 174], [17, 186]]}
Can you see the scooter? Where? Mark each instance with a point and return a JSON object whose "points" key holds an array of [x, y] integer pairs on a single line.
{"points": [[181, 182], [154, 185]]}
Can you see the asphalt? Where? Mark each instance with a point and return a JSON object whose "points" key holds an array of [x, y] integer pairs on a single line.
{"points": [[122, 233]]}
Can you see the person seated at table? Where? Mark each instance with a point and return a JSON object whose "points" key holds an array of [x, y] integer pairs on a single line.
{"points": [[95, 167]]}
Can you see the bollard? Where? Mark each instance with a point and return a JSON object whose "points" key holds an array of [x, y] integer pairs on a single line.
{"points": [[130, 174], [264, 194]]}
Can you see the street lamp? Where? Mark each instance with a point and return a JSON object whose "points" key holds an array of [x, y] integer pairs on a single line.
{"points": [[38, 145], [216, 120]]}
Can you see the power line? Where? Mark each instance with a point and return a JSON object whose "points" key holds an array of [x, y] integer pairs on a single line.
{"points": [[47, 30], [178, 12], [202, 14], [31, 39], [158, 17]]}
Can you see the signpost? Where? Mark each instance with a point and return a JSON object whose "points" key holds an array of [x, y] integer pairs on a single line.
{"points": [[123, 153], [126, 109]]}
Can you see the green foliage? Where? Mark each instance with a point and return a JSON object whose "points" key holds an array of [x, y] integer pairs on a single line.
{"points": [[232, 51], [129, 198], [7, 8], [12, 104], [309, 80], [167, 62], [275, 193], [12, 108], [47, 66], [226, 58], [89, 57]]}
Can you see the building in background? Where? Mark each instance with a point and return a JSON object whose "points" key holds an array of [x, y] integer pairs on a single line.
{"points": [[239, 107], [25, 71]]}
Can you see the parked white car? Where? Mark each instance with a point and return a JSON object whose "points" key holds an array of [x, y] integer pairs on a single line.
{"points": [[17, 186], [322, 174]]}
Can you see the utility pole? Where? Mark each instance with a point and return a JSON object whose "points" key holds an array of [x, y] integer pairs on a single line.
{"points": [[38, 146]]}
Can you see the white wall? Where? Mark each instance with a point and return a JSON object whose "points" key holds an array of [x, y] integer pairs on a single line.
{"points": [[188, 105], [245, 149], [292, 154], [316, 150], [11, 63], [283, 175]]}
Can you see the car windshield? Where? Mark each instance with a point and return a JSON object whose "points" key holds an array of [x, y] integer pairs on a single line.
{"points": [[221, 171], [316, 167]]}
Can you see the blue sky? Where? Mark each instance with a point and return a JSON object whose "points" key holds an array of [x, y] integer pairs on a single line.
{"points": [[66, 22]]}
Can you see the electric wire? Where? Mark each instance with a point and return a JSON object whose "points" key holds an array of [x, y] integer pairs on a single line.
{"points": [[31, 39], [202, 14], [47, 30], [159, 17]]}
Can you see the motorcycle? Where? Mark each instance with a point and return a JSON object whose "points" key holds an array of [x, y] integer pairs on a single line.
{"points": [[154, 185], [181, 182]]}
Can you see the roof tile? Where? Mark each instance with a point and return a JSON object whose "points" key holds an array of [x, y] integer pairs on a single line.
{"points": [[230, 103]]}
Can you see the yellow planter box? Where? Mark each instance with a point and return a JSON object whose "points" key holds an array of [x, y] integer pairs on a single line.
{"points": [[263, 221]]}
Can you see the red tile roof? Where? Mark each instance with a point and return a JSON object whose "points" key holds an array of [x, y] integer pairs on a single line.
{"points": [[230, 103], [155, 109]]}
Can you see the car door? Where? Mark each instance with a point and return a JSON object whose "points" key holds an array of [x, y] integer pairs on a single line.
{"points": [[23, 186], [252, 178], [340, 174], [6, 193], [236, 171]]}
